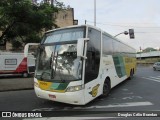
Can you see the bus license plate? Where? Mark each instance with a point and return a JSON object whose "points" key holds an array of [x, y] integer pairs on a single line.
{"points": [[52, 96]]}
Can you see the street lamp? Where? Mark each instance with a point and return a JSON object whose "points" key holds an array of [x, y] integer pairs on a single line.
{"points": [[125, 32]]}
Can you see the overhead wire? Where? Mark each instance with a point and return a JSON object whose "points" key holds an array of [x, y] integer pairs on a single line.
{"points": [[118, 25]]}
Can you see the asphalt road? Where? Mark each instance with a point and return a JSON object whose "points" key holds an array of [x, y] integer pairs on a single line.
{"points": [[12, 83], [142, 93]]}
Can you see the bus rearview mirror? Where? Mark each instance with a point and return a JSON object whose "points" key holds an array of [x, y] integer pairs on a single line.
{"points": [[80, 47]]}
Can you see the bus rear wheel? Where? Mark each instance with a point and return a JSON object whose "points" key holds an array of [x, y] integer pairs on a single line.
{"points": [[131, 74], [106, 88]]}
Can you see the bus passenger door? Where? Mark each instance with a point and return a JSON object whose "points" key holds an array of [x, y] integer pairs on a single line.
{"points": [[91, 76]]}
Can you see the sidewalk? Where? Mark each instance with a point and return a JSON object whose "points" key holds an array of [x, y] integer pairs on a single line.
{"points": [[15, 83]]}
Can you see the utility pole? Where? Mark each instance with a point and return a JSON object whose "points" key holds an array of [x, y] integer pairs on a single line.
{"points": [[52, 3], [94, 12]]}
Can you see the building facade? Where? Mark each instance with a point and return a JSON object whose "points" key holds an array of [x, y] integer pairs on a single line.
{"points": [[65, 17]]}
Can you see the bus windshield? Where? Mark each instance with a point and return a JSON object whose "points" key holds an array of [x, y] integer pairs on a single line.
{"points": [[57, 57], [59, 62], [64, 35]]}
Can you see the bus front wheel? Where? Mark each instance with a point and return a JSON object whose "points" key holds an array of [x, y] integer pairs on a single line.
{"points": [[106, 88]]}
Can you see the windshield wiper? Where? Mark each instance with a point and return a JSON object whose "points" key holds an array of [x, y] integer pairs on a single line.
{"points": [[53, 70], [51, 65]]}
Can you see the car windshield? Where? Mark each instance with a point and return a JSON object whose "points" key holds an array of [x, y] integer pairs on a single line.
{"points": [[59, 62]]}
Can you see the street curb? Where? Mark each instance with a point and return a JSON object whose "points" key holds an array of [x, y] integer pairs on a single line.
{"points": [[20, 89]]}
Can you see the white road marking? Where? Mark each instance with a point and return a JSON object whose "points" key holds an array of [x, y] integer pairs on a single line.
{"points": [[155, 110], [72, 118], [132, 97], [125, 89], [130, 104], [131, 93], [155, 78], [151, 79]]}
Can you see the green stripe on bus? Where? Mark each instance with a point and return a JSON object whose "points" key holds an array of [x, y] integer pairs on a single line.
{"points": [[59, 86]]}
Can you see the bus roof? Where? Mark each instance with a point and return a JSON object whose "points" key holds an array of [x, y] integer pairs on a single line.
{"points": [[91, 26], [73, 26]]}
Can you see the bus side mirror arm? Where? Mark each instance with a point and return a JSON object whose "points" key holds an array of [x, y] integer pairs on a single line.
{"points": [[80, 47], [26, 48]]}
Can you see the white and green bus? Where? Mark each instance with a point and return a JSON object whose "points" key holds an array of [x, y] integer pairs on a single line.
{"points": [[76, 64]]}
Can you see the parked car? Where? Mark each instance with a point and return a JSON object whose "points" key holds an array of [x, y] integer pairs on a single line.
{"points": [[156, 66]]}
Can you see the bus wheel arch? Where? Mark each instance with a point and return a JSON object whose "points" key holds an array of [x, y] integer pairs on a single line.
{"points": [[106, 87]]}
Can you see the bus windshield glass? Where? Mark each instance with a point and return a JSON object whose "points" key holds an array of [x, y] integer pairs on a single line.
{"points": [[61, 35], [59, 63], [57, 57]]}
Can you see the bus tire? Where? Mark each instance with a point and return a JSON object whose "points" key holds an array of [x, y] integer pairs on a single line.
{"points": [[131, 75], [106, 87]]}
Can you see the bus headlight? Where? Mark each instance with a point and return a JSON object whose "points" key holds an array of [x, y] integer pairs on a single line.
{"points": [[75, 88]]}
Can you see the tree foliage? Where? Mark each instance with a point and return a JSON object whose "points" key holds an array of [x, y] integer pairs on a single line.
{"points": [[21, 21], [149, 49]]}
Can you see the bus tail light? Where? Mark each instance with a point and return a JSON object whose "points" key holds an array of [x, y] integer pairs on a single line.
{"points": [[75, 88]]}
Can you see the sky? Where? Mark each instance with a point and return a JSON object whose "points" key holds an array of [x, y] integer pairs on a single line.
{"points": [[116, 16]]}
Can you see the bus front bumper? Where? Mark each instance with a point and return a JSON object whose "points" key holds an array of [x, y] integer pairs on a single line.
{"points": [[76, 98]]}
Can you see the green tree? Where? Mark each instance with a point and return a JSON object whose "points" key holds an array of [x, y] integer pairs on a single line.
{"points": [[21, 21], [149, 49]]}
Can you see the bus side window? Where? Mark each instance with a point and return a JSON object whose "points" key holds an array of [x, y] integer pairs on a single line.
{"points": [[90, 62], [93, 55]]}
